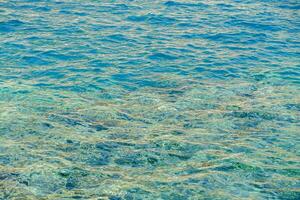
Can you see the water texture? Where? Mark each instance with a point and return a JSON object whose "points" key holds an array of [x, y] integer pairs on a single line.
{"points": [[140, 99]]}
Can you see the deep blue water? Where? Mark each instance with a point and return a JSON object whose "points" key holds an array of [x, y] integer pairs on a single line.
{"points": [[129, 100]]}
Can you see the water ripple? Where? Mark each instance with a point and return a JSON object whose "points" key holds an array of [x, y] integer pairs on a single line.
{"points": [[149, 99]]}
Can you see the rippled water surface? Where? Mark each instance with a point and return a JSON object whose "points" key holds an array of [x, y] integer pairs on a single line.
{"points": [[140, 99]]}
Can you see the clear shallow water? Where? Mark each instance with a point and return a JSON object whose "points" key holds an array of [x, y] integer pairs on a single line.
{"points": [[149, 99]]}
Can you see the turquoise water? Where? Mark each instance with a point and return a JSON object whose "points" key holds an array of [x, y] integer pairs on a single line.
{"points": [[170, 100]]}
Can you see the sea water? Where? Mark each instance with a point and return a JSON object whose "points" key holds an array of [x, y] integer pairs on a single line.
{"points": [[149, 99]]}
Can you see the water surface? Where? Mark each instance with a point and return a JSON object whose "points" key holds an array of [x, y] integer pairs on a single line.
{"points": [[171, 100]]}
